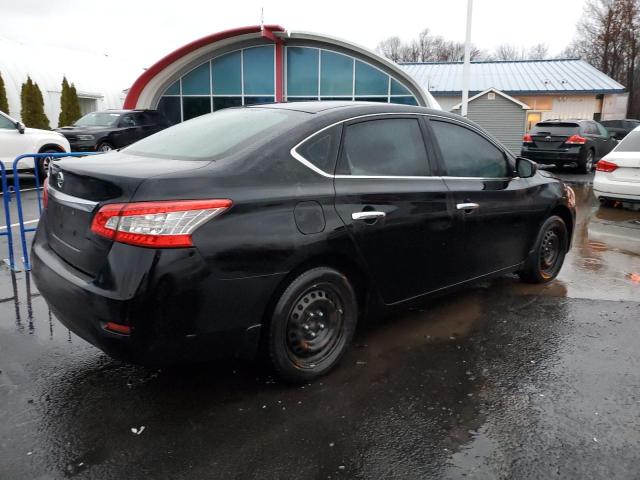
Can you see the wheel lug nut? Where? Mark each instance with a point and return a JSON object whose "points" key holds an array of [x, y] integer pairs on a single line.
{"points": [[305, 326], [321, 326]]}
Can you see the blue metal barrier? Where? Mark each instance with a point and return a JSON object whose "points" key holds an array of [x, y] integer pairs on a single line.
{"points": [[6, 198], [16, 187]]}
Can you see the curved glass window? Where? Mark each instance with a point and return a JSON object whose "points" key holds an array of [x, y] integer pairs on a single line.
{"points": [[336, 75], [258, 71], [320, 74], [227, 74], [197, 81], [302, 71], [242, 77], [370, 81]]}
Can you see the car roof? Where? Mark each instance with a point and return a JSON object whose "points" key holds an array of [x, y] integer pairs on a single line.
{"points": [[566, 120], [117, 110], [350, 108]]}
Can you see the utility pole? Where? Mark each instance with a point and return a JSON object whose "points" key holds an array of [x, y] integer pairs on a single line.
{"points": [[466, 67]]}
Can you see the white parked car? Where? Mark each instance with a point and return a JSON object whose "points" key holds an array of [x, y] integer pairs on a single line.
{"points": [[618, 173], [16, 139]]}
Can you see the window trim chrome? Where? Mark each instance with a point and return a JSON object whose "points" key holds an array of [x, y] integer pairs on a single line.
{"points": [[71, 201], [294, 153]]}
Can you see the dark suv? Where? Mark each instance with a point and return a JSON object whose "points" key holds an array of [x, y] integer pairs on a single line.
{"points": [[620, 128], [558, 142], [113, 129]]}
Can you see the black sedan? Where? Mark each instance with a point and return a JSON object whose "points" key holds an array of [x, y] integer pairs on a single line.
{"points": [[112, 129], [275, 226], [560, 142]]}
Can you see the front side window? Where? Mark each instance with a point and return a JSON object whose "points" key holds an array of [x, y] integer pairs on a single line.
{"points": [[128, 121], [6, 123], [385, 147], [467, 154]]}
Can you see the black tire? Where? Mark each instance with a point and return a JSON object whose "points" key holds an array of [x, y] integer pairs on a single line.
{"points": [[104, 147], [312, 325], [545, 262], [43, 164], [586, 165]]}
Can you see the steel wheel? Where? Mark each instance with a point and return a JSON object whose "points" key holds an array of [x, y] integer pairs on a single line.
{"points": [[549, 251], [588, 162], [105, 147], [314, 325], [546, 259]]}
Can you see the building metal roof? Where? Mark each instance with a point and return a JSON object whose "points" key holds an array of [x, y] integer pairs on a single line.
{"points": [[498, 92], [523, 77]]}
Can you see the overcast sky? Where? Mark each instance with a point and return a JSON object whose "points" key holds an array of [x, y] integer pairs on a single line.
{"points": [[142, 31]]}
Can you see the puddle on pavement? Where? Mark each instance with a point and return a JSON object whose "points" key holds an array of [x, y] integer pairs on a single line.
{"points": [[604, 262]]}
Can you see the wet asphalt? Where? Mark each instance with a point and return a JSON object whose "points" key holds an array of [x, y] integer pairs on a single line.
{"points": [[499, 380]]}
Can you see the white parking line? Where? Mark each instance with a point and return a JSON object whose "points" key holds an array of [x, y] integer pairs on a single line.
{"points": [[18, 224], [25, 190]]}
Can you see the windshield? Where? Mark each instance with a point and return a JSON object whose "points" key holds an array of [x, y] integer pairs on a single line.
{"points": [[630, 143], [555, 129], [98, 119], [213, 135]]}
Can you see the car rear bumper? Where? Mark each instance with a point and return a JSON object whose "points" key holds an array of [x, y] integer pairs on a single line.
{"points": [[570, 155], [88, 146], [606, 188], [176, 311]]}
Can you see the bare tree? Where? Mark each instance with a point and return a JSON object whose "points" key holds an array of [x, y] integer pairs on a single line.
{"points": [[507, 51], [608, 37], [391, 48], [426, 48], [539, 51]]}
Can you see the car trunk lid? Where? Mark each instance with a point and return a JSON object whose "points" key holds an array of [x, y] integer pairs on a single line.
{"points": [[628, 166], [552, 136], [77, 189]]}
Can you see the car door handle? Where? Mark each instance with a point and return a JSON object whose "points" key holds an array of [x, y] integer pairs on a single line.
{"points": [[467, 206], [367, 215]]}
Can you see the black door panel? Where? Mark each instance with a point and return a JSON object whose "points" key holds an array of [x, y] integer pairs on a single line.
{"points": [[497, 232], [493, 209], [400, 218], [409, 250]]}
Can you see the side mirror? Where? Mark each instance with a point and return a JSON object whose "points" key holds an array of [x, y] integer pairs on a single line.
{"points": [[525, 168], [20, 127]]}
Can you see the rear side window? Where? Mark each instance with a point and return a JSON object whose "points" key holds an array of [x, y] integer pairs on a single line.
{"points": [[555, 129], [321, 149], [630, 143], [385, 147], [467, 154], [602, 131]]}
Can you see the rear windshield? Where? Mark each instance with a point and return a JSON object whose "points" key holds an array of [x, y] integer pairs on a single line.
{"points": [[630, 143], [555, 129], [217, 134]]}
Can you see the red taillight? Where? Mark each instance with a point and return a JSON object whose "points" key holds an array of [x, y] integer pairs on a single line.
{"points": [[118, 328], [166, 224], [527, 138], [45, 192], [576, 140], [605, 166]]}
